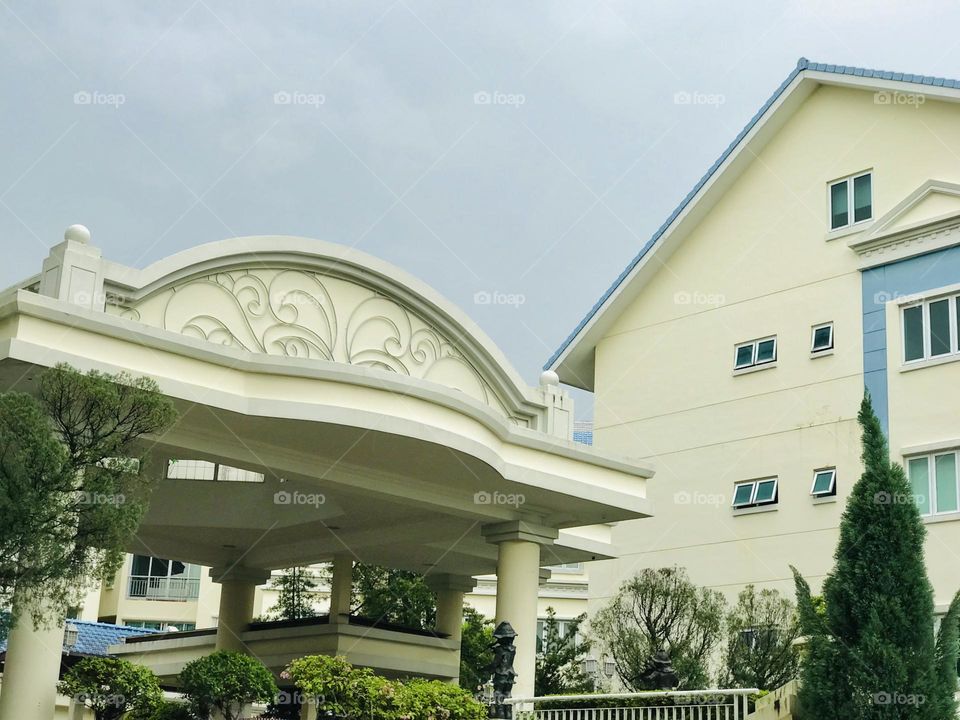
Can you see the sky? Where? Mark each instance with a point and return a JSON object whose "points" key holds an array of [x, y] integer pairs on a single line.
{"points": [[513, 155]]}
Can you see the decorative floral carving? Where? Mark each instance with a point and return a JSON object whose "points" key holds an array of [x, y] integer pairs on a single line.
{"points": [[302, 314]]}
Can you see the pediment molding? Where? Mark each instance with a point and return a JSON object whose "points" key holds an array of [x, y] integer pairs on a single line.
{"points": [[891, 238]]}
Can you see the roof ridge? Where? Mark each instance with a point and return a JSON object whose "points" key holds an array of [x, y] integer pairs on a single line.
{"points": [[803, 64]]}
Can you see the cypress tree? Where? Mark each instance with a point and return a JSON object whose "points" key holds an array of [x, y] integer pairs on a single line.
{"points": [[873, 655]]}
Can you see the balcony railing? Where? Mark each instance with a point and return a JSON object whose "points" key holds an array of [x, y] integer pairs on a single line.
{"points": [[729, 704], [164, 588]]}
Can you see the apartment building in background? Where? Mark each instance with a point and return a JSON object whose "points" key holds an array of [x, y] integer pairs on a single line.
{"points": [[818, 257]]}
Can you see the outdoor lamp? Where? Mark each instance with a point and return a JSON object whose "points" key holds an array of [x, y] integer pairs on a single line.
{"points": [[71, 634]]}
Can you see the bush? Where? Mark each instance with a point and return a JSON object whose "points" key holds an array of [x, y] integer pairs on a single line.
{"points": [[164, 710], [225, 681], [111, 687], [350, 692]]}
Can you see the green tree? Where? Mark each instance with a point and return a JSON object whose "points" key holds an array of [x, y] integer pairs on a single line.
{"points": [[759, 648], [560, 661], [71, 491], [295, 599], [400, 597], [873, 655], [225, 681], [111, 687], [476, 651], [660, 609]]}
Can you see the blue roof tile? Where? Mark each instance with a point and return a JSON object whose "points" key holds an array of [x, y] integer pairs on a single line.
{"points": [[802, 64], [94, 638]]}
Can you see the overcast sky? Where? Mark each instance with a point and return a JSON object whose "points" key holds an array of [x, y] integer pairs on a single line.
{"points": [[521, 148]]}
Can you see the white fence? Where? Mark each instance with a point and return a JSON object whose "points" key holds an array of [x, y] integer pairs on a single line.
{"points": [[719, 704]]}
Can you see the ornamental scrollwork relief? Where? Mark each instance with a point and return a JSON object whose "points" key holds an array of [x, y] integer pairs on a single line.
{"points": [[301, 314]]}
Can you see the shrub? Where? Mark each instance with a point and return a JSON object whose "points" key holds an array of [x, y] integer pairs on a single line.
{"points": [[225, 681], [350, 692], [111, 687], [164, 710]]}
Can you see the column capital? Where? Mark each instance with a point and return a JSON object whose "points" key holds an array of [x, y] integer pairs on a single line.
{"points": [[545, 575], [448, 581], [519, 530], [240, 574]]}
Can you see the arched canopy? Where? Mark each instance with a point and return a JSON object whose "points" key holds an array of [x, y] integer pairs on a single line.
{"points": [[369, 415]]}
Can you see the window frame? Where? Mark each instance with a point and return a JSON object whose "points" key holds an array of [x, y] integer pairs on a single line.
{"points": [[931, 458], [832, 490], [850, 180], [814, 350], [755, 345], [753, 493], [953, 310]]}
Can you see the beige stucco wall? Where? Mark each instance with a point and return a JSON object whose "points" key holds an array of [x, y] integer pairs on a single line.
{"points": [[762, 263]]}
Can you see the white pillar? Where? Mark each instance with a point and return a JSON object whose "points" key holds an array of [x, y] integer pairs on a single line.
{"points": [[450, 590], [238, 587], [340, 588], [518, 582], [32, 667]]}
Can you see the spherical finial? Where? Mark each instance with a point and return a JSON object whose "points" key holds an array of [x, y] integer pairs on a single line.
{"points": [[77, 233], [549, 377]]}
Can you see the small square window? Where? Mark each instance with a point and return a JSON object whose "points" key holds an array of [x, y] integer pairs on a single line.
{"points": [[743, 494], [744, 356], [851, 200], [766, 492], [824, 482], [766, 351], [822, 338]]}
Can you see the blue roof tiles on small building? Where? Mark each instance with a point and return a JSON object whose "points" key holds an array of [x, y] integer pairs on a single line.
{"points": [[93, 638]]}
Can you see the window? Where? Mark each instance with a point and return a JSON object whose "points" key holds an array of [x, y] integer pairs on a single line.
{"points": [[933, 482], [851, 201], [203, 470], [931, 329], [160, 625], [755, 352], [824, 483], [565, 629], [755, 492], [821, 338], [567, 568], [159, 579]]}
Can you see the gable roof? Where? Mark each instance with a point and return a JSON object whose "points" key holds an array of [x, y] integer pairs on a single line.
{"points": [[93, 638], [573, 360]]}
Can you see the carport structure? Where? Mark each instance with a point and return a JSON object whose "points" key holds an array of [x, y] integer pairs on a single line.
{"points": [[332, 408]]}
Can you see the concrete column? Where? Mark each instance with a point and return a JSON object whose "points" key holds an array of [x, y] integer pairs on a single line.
{"points": [[518, 582], [238, 587], [32, 667], [341, 587], [450, 590]]}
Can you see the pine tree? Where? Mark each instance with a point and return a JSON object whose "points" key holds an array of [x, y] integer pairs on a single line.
{"points": [[295, 599], [873, 654]]}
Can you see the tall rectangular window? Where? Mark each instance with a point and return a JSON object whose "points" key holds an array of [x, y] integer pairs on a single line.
{"points": [[918, 469], [934, 482], [851, 200], [931, 329]]}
